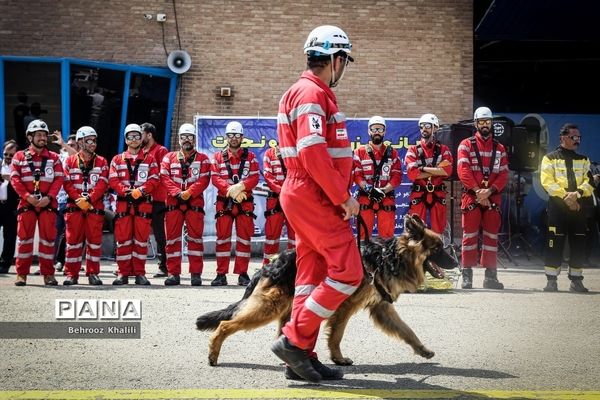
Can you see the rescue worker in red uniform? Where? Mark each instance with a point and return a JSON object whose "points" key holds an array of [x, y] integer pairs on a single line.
{"points": [[159, 196], [482, 167], [316, 200], [36, 176], [185, 174], [86, 182], [274, 172], [428, 164], [133, 175], [234, 172], [377, 172]]}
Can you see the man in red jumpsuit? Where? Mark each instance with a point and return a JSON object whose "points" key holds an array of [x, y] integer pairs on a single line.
{"points": [[133, 175], [316, 200], [482, 167], [274, 172], [36, 176], [86, 182], [377, 172], [235, 173], [185, 174], [159, 196], [428, 163]]}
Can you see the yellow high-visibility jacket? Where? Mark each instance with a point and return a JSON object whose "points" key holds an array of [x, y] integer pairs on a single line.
{"points": [[553, 173]]}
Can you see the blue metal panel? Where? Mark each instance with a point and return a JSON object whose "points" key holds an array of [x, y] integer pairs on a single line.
{"points": [[170, 108], [124, 109], [2, 105], [65, 98]]}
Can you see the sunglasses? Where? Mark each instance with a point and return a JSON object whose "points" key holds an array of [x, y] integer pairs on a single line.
{"points": [[8, 155], [234, 135], [377, 130], [426, 126], [133, 137], [484, 121], [575, 138], [186, 137], [90, 141]]}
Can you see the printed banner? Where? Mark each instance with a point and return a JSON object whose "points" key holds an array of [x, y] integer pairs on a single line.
{"points": [[261, 133]]}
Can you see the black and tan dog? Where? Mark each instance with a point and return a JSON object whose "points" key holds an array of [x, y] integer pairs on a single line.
{"points": [[392, 267]]}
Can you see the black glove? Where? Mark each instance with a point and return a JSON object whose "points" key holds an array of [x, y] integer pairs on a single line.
{"points": [[377, 195]]}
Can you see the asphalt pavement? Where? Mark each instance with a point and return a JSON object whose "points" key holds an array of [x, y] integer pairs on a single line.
{"points": [[516, 343]]}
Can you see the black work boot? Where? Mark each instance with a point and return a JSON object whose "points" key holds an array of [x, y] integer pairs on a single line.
{"points": [[491, 280], [196, 280], [142, 280], [296, 359], [328, 374], [172, 280], [94, 280], [467, 278], [71, 280], [220, 280], [551, 285], [243, 279], [121, 280], [577, 286]]}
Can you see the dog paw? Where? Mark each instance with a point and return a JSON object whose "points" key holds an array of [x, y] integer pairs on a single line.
{"points": [[425, 352], [212, 361], [342, 361]]}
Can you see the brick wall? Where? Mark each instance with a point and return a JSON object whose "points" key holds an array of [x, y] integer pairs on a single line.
{"points": [[412, 56]]}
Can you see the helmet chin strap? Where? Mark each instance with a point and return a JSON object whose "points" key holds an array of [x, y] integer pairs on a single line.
{"points": [[333, 82]]}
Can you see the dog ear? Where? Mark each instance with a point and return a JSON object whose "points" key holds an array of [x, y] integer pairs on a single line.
{"points": [[414, 227]]}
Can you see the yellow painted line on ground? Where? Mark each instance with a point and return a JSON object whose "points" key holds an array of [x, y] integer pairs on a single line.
{"points": [[295, 393]]}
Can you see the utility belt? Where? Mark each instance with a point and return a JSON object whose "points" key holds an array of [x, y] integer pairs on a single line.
{"points": [[275, 210], [73, 208], [144, 199], [178, 207], [429, 187], [24, 209], [391, 207], [272, 195], [135, 203], [472, 206], [390, 194], [229, 204], [429, 204]]}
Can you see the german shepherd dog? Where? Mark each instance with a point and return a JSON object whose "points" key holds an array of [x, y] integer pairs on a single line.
{"points": [[391, 267]]}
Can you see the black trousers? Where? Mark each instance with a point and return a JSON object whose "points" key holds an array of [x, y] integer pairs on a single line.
{"points": [[8, 222], [158, 228], [564, 224]]}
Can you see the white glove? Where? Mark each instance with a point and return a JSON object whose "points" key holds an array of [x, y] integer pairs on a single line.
{"points": [[235, 190]]}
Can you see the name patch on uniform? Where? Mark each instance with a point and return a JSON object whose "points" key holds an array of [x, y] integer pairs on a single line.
{"points": [[315, 124], [341, 134]]}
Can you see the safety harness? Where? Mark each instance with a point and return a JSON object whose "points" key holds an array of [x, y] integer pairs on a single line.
{"points": [[37, 175], [277, 208], [429, 187], [235, 178], [185, 165], [376, 177], [486, 171], [131, 202], [85, 173]]}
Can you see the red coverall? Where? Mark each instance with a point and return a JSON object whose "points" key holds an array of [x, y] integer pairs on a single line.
{"points": [[317, 153], [159, 196], [428, 194], [82, 225], [227, 210], [391, 172], [50, 181], [132, 218], [274, 172], [177, 174], [476, 217]]}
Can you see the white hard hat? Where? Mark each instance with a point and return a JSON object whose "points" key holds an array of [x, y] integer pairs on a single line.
{"points": [[429, 119], [376, 119], [482, 113], [234, 127], [84, 132], [37, 125], [327, 39], [132, 128], [187, 129]]}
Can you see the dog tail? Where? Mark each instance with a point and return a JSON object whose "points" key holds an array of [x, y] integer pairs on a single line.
{"points": [[210, 321]]}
